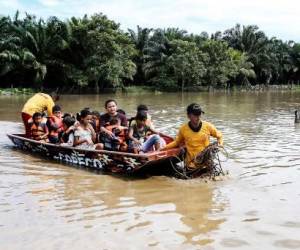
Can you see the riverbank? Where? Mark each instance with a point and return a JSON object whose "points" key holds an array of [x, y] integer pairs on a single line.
{"points": [[17, 91], [149, 89]]}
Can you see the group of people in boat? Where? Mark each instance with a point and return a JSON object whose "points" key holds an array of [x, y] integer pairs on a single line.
{"points": [[112, 130], [89, 129]]}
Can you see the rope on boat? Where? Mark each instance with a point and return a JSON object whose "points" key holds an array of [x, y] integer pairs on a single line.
{"points": [[207, 163]]}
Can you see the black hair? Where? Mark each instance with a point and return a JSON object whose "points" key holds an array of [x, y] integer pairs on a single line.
{"points": [[36, 115], [142, 107], [83, 113], [69, 121], [194, 109], [56, 108], [66, 115], [121, 111], [114, 121], [95, 113], [141, 116], [108, 101]]}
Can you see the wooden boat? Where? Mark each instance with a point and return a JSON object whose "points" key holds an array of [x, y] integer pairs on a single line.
{"points": [[156, 162]]}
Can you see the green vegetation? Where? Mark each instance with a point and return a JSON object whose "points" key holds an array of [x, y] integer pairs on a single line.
{"points": [[16, 91], [94, 53]]}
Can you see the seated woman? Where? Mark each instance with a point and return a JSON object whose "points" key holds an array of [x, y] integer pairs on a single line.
{"points": [[38, 129], [139, 133], [111, 108], [84, 133], [67, 136], [118, 139], [54, 124], [143, 107]]}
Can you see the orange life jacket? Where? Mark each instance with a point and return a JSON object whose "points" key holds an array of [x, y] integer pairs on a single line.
{"points": [[118, 131], [37, 130], [57, 122]]}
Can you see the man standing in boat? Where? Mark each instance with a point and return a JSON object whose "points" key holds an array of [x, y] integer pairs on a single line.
{"points": [[40, 102], [195, 134]]}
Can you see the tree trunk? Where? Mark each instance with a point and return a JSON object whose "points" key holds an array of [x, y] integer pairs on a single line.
{"points": [[96, 87], [182, 82]]}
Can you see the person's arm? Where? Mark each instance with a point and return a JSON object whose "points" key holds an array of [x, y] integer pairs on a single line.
{"points": [[178, 140], [154, 131], [215, 133], [70, 142], [93, 133], [70, 129], [51, 124], [45, 136], [131, 137], [78, 141], [102, 126], [106, 131]]}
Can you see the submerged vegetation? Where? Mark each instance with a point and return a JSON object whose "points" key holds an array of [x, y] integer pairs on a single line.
{"points": [[94, 53]]}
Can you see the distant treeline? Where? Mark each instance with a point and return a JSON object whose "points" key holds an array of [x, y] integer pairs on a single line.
{"points": [[94, 53]]}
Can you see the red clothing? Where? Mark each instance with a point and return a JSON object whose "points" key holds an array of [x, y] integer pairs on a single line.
{"points": [[118, 131], [55, 125], [106, 118], [25, 118]]}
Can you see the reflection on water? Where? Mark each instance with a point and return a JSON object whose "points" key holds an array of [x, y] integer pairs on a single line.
{"points": [[52, 206]]}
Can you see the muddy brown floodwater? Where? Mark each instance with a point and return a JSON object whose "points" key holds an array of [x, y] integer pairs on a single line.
{"points": [[44, 205]]}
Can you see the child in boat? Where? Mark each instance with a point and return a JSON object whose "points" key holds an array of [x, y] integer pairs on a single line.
{"points": [[118, 139], [139, 134], [96, 121], [55, 124], [84, 133], [144, 108], [67, 136], [38, 129]]}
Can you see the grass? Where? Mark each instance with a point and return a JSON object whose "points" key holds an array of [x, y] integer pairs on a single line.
{"points": [[16, 91], [138, 89]]}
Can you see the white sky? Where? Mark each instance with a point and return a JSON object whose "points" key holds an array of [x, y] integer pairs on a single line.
{"points": [[276, 18]]}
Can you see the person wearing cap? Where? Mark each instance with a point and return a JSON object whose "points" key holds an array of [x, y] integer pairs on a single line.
{"points": [[195, 135], [40, 102]]}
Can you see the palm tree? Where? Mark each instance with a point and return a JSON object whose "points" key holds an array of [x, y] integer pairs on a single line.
{"points": [[255, 44], [244, 68], [141, 42], [156, 53]]}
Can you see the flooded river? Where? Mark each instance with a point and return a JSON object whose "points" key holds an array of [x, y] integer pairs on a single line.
{"points": [[44, 205]]}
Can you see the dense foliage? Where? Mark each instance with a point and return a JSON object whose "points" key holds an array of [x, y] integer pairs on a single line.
{"points": [[94, 53]]}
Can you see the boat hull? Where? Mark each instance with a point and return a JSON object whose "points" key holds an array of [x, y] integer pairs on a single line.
{"points": [[102, 160]]}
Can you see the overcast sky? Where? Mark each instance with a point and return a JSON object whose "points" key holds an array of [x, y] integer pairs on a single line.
{"points": [[279, 18]]}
